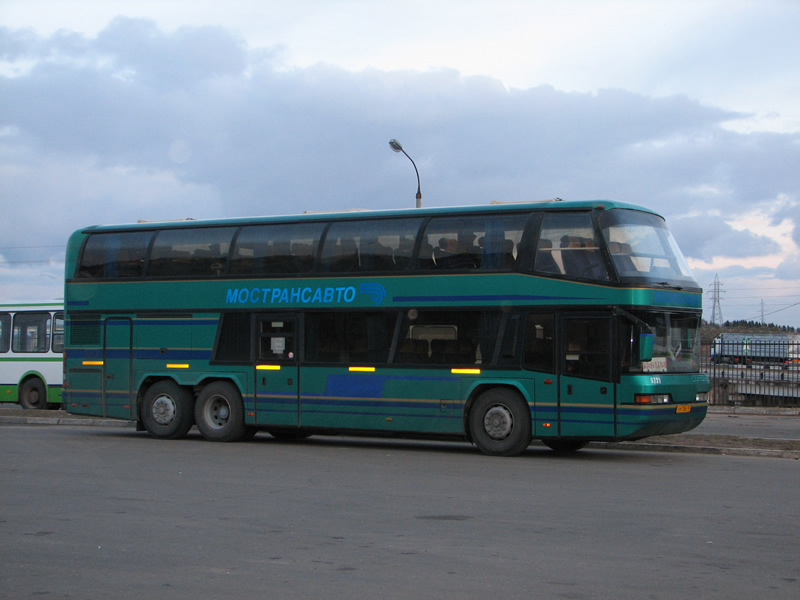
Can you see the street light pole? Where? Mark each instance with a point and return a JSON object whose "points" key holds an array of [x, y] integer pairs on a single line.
{"points": [[397, 147]]}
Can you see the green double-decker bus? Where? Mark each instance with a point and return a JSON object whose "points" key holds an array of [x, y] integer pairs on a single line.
{"points": [[565, 322]]}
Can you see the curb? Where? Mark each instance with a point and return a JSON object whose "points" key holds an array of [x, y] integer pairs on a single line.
{"points": [[86, 422], [770, 411], [645, 447]]}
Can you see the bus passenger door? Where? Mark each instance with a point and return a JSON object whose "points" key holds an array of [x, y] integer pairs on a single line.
{"points": [[276, 371], [117, 369], [586, 390]]}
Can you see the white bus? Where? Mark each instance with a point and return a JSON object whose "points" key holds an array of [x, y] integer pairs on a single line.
{"points": [[31, 354]]}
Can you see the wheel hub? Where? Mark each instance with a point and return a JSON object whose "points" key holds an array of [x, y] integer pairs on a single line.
{"points": [[220, 412], [164, 410], [498, 422]]}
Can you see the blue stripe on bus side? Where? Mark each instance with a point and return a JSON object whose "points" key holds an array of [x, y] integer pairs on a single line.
{"points": [[353, 385], [369, 402], [487, 298]]}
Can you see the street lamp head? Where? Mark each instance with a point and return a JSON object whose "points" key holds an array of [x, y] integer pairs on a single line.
{"points": [[397, 147]]}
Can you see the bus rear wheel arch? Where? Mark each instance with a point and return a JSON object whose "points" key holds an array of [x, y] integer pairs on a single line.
{"points": [[167, 410], [500, 422], [219, 413]]}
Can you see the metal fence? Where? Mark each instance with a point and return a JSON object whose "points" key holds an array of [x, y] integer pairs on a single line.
{"points": [[767, 376]]}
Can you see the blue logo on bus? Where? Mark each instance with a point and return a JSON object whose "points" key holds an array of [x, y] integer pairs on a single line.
{"points": [[305, 295], [375, 291]]}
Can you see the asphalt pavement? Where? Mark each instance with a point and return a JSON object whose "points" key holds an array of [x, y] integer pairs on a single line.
{"points": [[736, 431]]}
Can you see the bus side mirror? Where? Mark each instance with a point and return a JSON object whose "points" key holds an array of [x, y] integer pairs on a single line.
{"points": [[646, 341]]}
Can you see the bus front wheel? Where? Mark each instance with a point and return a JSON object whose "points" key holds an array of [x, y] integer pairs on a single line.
{"points": [[219, 413], [33, 394], [167, 410], [500, 423]]}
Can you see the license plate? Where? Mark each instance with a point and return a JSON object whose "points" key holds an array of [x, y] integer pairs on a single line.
{"points": [[683, 408]]}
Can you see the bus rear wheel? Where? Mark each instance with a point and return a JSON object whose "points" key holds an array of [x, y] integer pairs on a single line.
{"points": [[219, 413], [33, 394], [500, 423], [167, 410]]}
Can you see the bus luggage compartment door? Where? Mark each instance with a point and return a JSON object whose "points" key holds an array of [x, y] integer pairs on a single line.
{"points": [[277, 372], [276, 394]]}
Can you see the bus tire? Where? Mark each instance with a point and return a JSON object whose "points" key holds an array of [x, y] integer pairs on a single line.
{"points": [[33, 394], [167, 410], [219, 413], [500, 423]]}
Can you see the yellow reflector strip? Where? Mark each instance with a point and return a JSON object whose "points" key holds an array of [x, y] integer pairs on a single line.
{"points": [[362, 369], [465, 371], [268, 367], [177, 366], [92, 362]]}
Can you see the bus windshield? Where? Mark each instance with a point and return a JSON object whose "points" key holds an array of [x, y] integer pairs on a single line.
{"points": [[676, 345], [643, 249]]}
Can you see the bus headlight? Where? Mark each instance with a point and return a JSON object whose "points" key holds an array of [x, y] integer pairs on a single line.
{"points": [[652, 398], [701, 397]]}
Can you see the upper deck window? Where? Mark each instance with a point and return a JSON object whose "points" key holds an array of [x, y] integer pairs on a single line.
{"points": [[276, 249], [113, 255], [567, 246], [377, 245], [643, 249], [196, 252], [480, 242]]}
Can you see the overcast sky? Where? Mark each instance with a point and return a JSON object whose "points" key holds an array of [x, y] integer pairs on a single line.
{"points": [[113, 111]]}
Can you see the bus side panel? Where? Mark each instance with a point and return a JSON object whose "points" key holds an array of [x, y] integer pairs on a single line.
{"points": [[586, 408], [388, 399], [8, 393], [54, 393], [162, 341], [117, 368], [179, 348], [85, 393], [544, 413]]}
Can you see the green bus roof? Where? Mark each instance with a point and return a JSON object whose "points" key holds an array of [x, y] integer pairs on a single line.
{"points": [[555, 204]]}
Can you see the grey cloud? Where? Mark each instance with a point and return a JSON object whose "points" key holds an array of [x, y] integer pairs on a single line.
{"points": [[789, 269], [176, 60], [705, 236]]}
